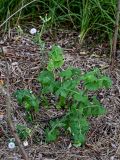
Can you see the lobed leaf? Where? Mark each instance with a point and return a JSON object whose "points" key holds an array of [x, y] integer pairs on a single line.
{"points": [[56, 59]]}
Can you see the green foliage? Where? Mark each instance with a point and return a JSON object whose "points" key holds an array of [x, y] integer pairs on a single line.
{"points": [[23, 132], [65, 86], [93, 80], [46, 77], [56, 58], [28, 100], [47, 80], [89, 16], [70, 73], [71, 89]]}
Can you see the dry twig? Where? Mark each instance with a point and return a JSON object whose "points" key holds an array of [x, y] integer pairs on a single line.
{"points": [[113, 54], [8, 109]]}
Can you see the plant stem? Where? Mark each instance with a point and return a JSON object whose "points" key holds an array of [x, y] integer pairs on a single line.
{"points": [[113, 54], [9, 118]]}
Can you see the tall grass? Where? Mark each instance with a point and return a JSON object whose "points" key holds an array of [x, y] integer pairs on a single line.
{"points": [[89, 16]]}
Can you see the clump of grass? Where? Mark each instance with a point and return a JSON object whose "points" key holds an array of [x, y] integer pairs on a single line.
{"points": [[95, 16]]}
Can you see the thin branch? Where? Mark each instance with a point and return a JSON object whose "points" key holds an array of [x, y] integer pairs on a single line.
{"points": [[16, 12], [8, 109], [113, 54]]}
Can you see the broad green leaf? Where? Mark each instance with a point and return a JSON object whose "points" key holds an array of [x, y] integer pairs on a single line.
{"points": [[106, 82], [56, 59], [93, 80], [46, 77], [56, 54], [94, 109], [80, 97], [70, 73], [90, 81], [21, 94], [66, 74], [28, 99]]}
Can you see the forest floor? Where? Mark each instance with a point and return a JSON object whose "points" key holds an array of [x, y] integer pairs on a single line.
{"points": [[25, 62]]}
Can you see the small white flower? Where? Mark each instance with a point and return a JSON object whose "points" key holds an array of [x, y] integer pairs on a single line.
{"points": [[25, 143], [11, 145], [33, 31]]}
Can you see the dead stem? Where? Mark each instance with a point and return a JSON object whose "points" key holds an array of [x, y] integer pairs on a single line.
{"points": [[9, 119]]}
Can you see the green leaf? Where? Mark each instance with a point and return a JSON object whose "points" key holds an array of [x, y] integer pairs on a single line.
{"points": [[93, 80], [94, 109], [56, 59], [56, 54], [66, 74], [46, 77], [70, 73], [80, 97], [79, 139], [106, 82], [52, 135], [77, 125], [97, 108], [51, 65], [61, 103], [26, 98], [76, 72], [48, 89], [23, 131], [20, 95]]}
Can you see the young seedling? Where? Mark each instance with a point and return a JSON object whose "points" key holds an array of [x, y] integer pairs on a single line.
{"points": [[64, 85], [23, 132], [29, 101], [71, 88]]}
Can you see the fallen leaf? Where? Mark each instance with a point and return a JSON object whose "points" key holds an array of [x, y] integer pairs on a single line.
{"points": [[1, 82]]}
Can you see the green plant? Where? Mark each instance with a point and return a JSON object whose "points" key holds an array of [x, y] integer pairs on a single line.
{"points": [[72, 91], [23, 131], [38, 36], [71, 87], [90, 17], [28, 100]]}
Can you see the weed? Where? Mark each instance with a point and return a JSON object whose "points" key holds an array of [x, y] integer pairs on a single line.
{"points": [[65, 86], [95, 16], [23, 132], [29, 101], [71, 87]]}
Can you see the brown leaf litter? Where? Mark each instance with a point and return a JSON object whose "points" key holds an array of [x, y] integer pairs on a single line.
{"points": [[25, 62]]}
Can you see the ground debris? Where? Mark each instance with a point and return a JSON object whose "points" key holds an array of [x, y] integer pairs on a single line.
{"points": [[25, 62]]}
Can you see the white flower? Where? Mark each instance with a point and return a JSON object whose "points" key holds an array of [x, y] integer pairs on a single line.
{"points": [[25, 143], [33, 31], [11, 145]]}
